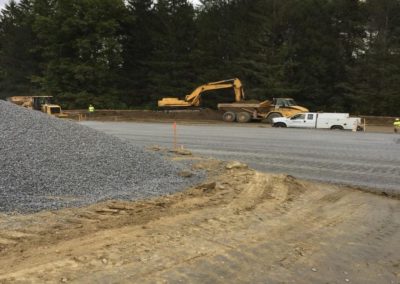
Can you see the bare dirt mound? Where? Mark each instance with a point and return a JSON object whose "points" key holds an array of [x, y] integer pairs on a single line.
{"points": [[239, 226]]}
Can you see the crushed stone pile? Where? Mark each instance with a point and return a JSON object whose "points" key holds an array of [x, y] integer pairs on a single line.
{"points": [[50, 163]]}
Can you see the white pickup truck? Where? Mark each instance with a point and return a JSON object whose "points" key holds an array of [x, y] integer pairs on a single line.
{"points": [[339, 121]]}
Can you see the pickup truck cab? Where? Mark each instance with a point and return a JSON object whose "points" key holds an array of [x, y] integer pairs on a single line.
{"points": [[339, 121]]}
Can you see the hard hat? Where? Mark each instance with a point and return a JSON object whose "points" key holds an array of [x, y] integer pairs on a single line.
{"points": [[397, 119]]}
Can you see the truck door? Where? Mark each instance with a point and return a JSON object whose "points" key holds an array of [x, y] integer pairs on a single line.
{"points": [[309, 121], [297, 120], [305, 120]]}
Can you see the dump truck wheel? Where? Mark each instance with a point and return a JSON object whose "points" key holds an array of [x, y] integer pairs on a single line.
{"points": [[243, 117], [229, 116], [271, 116]]}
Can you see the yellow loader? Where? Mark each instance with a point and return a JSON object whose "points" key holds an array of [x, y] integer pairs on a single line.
{"points": [[40, 103]]}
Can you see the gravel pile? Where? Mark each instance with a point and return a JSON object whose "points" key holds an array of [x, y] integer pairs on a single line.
{"points": [[49, 163]]}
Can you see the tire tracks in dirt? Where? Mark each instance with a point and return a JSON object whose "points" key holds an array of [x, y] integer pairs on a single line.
{"points": [[240, 226]]}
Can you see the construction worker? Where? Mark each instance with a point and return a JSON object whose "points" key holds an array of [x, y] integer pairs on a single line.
{"points": [[91, 109], [396, 125]]}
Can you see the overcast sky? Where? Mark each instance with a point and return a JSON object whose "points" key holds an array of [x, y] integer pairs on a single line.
{"points": [[2, 2]]}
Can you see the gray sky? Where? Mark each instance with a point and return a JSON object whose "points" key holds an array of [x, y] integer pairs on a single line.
{"points": [[2, 2]]}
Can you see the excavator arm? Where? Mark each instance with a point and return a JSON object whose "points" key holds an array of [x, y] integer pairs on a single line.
{"points": [[193, 99]]}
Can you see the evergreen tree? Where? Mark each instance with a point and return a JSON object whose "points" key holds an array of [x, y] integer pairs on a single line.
{"points": [[18, 61], [348, 19], [138, 46], [314, 51], [262, 60], [330, 55], [171, 66], [218, 47], [376, 76], [81, 42]]}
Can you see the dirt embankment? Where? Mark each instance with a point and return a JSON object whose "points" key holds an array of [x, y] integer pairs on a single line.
{"points": [[201, 115], [239, 226]]}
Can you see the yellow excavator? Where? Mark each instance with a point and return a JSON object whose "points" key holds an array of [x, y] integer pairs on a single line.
{"points": [[193, 99]]}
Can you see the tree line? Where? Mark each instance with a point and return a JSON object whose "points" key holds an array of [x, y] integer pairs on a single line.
{"points": [[341, 55]]}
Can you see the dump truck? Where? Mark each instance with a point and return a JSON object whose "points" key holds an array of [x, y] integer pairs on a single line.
{"points": [[241, 110], [334, 121], [40, 103], [264, 111]]}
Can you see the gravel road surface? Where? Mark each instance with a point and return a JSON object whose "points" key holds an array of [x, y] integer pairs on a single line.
{"points": [[369, 160]]}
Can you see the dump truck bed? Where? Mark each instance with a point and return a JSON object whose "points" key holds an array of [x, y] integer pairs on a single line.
{"points": [[257, 109], [244, 104]]}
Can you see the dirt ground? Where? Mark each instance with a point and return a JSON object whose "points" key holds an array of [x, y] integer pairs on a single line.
{"points": [[240, 226]]}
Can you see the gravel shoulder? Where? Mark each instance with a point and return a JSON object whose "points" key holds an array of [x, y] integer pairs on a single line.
{"points": [[241, 226]]}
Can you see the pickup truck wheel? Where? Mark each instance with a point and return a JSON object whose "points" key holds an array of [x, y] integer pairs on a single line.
{"points": [[271, 116], [337, 127], [229, 116], [279, 124], [243, 117]]}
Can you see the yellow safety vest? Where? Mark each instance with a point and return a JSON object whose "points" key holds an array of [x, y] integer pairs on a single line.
{"points": [[396, 123], [91, 109]]}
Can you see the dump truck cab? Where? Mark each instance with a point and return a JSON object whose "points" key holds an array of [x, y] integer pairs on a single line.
{"points": [[284, 102], [286, 107]]}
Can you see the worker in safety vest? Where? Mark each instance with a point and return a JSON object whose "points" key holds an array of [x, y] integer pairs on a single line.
{"points": [[396, 125], [91, 108]]}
